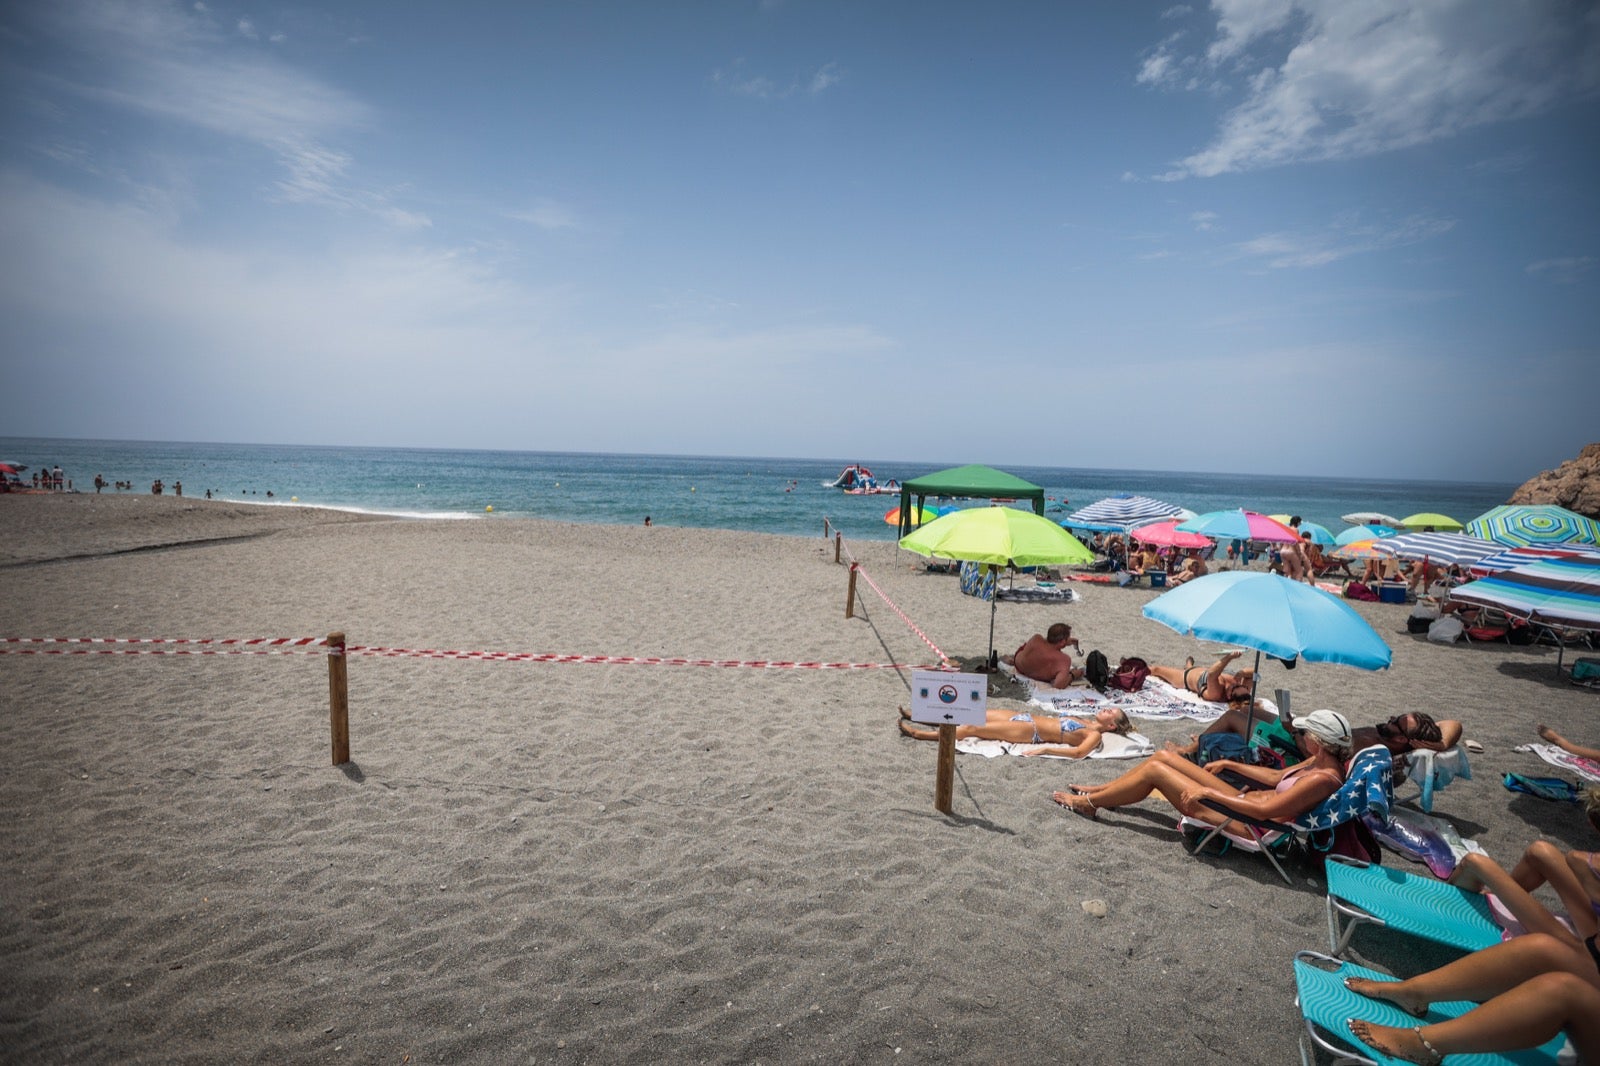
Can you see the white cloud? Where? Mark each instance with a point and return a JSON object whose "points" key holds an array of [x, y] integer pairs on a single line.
{"points": [[1564, 271], [165, 63], [1204, 221], [1344, 238], [1325, 81], [739, 80], [547, 214]]}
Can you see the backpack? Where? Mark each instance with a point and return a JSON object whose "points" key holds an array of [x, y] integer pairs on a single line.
{"points": [[1355, 590], [1130, 674], [1096, 670]]}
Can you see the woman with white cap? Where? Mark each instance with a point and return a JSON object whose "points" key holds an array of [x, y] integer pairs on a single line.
{"points": [[1283, 795]]}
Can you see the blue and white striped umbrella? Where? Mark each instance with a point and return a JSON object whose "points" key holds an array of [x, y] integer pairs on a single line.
{"points": [[1446, 549], [1558, 592], [1121, 513]]}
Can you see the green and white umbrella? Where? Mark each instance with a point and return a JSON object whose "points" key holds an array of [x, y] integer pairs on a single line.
{"points": [[1525, 524]]}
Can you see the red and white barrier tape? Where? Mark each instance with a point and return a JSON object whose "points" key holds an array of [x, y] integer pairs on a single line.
{"points": [[315, 645], [943, 659], [155, 646]]}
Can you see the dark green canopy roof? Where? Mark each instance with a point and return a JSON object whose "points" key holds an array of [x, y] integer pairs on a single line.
{"points": [[973, 482]]}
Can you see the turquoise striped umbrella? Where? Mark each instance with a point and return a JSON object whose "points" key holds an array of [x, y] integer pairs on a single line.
{"points": [[1553, 592], [1534, 524]]}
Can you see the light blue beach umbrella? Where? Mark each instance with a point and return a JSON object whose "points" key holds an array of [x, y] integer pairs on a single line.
{"points": [[1320, 535], [1355, 533], [1267, 612]]}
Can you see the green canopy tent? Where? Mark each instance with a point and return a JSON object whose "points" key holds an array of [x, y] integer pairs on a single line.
{"points": [[970, 482]]}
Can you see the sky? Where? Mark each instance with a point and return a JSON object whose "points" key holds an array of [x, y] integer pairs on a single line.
{"points": [[1261, 236]]}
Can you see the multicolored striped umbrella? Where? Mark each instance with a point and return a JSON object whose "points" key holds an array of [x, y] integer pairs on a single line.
{"points": [[1121, 513], [1558, 592], [1446, 549], [1512, 558], [1534, 524]]}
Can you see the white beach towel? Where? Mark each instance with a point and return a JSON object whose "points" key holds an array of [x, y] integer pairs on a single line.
{"points": [[1432, 770], [1587, 769], [1112, 746]]}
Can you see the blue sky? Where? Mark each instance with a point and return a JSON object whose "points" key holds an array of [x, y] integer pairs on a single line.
{"points": [[1355, 238]]}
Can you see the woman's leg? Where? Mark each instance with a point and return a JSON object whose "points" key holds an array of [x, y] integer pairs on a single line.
{"points": [[1487, 973], [1544, 862], [1172, 675], [1524, 1017], [1481, 873], [1163, 772]]}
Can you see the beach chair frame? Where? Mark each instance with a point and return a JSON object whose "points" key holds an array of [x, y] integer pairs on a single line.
{"points": [[1360, 893]]}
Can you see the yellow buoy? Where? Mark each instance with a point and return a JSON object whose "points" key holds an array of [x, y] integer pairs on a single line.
{"points": [[294, 499], [489, 508]]}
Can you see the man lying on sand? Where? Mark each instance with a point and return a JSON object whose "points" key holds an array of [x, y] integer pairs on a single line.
{"points": [[1060, 736], [1042, 658]]}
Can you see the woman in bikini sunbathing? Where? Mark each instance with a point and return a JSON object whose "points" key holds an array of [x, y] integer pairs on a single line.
{"points": [[1209, 683], [1061, 736], [1284, 794], [1530, 987]]}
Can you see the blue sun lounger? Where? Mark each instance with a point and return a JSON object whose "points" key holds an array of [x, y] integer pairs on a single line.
{"points": [[1359, 892], [1327, 1006]]}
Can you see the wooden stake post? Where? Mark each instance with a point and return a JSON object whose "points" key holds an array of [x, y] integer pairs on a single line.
{"points": [[850, 596], [948, 699], [838, 545], [338, 700]]}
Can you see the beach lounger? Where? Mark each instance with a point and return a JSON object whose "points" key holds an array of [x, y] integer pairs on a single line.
{"points": [[1327, 1007], [1360, 893], [1367, 787]]}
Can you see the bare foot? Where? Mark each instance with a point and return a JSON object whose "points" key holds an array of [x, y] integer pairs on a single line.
{"points": [[1404, 1044], [1082, 790], [1384, 990], [1546, 733], [1075, 803], [905, 714]]}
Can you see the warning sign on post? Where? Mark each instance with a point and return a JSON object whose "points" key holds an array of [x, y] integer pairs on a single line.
{"points": [[949, 699]]}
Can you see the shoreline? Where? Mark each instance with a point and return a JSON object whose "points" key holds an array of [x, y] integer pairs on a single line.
{"points": [[587, 862]]}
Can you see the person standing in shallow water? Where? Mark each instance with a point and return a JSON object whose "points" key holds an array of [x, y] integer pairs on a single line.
{"points": [[647, 520]]}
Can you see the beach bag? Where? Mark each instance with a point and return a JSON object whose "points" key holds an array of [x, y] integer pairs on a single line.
{"points": [[1097, 670], [1131, 673], [1355, 590], [1421, 616], [1585, 669], [1546, 788], [1446, 630]]}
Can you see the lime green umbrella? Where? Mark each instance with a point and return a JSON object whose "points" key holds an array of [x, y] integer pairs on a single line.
{"points": [[1002, 536], [999, 536], [1441, 523]]}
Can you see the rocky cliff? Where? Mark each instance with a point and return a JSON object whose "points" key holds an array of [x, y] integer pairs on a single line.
{"points": [[1575, 484]]}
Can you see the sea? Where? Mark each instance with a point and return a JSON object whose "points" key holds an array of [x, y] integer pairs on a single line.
{"points": [[762, 495]]}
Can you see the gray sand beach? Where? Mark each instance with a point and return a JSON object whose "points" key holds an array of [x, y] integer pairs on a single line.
{"points": [[564, 862]]}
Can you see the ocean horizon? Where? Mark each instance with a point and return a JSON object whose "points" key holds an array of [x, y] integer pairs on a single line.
{"points": [[750, 493]]}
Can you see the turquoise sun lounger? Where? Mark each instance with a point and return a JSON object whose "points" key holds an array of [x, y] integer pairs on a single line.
{"points": [[1359, 893], [1327, 1006]]}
